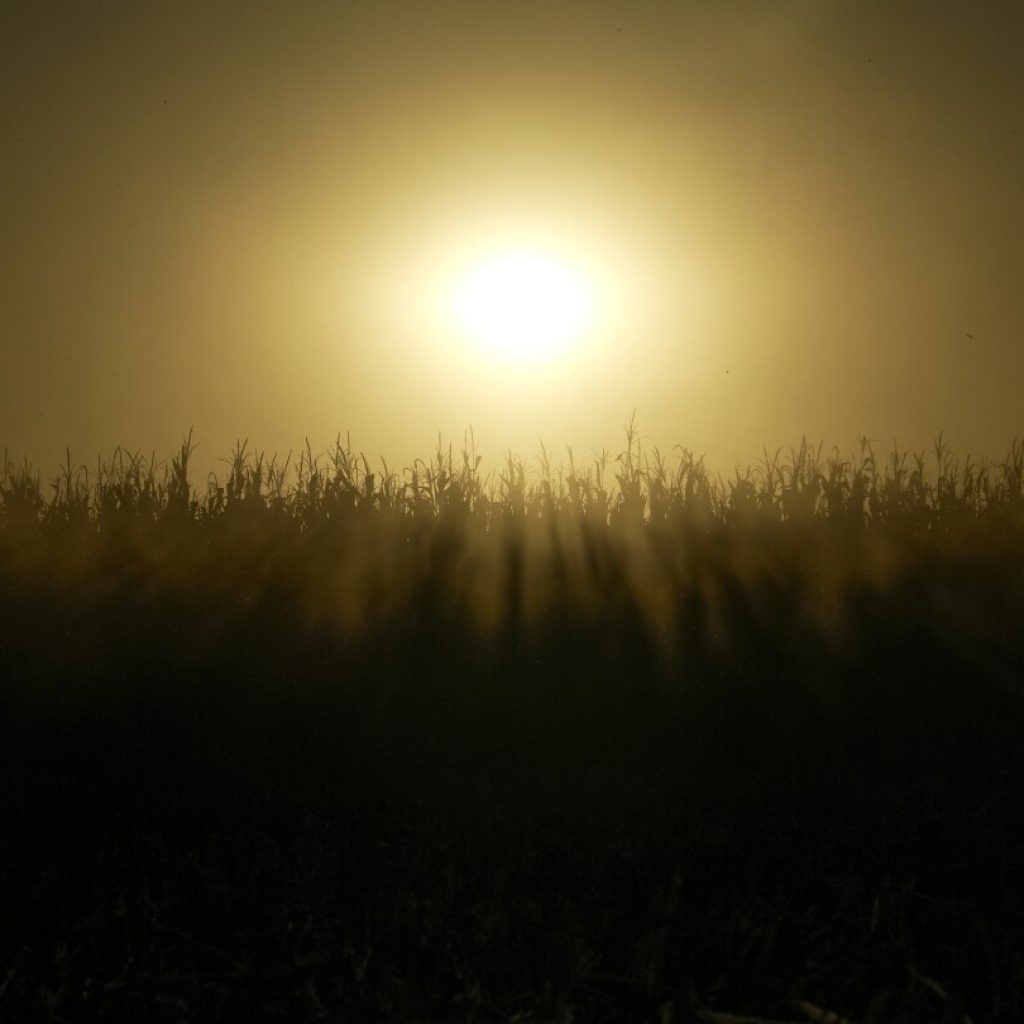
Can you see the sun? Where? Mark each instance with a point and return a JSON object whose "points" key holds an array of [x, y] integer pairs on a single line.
{"points": [[523, 305]]}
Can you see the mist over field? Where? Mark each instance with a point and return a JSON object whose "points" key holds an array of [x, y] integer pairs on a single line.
{"points": [[580, 741]]}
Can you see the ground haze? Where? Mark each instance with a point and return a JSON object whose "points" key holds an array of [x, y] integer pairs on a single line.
{"points": [[599, 742]]}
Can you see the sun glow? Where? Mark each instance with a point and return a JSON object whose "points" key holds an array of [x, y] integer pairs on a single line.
{"points": [[524, 305]]}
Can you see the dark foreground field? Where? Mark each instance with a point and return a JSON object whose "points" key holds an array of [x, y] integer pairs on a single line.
{"points": [[367, 749]]}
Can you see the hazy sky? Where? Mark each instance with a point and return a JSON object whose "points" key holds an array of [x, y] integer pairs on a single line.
{"points": [[799, 218]]}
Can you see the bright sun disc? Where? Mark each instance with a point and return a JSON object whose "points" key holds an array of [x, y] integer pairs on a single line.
{"points": [[523, 304]]}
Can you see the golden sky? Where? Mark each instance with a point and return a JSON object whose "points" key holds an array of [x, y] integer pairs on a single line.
{"points": [[251, 218]]}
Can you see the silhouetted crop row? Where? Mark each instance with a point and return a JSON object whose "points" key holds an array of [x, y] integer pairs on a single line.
{"points": [[635, 486]]}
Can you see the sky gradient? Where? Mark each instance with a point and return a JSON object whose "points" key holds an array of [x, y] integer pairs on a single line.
{"points": [[803, 218]]}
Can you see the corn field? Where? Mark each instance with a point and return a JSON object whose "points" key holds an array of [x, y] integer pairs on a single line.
{"points": [[616, 738], [922, 491]]}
